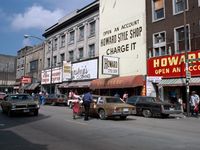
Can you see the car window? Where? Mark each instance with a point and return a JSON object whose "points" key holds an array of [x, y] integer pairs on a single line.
{"points": [[20, 97], [132, 100], [147, 99], [113, 100]]}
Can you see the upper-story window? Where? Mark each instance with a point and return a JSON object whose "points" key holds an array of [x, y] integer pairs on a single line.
{"points": [[81, 33], [159, 45], [62, 42], [62, 57], [48, 62], [158, 9], [33, 65], [92, 28], [80, 50], [55, 44], [178, 6], [49, 46], [71, 56], [91, 50], [180, 39], [71, 37], [54, 61]]}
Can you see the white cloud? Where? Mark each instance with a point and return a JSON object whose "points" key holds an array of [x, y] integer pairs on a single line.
{"points": [[36, 17]]}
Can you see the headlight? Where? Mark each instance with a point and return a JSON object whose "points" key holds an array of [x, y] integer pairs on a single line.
{"points": [[13, 106]]}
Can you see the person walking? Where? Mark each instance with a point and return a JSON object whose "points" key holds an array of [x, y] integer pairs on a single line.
{"points": [[194, 104], [87, 99]]}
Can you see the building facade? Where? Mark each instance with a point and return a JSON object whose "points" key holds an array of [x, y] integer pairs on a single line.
{"points": [[173, 39], [7, 73], [71, 45]]}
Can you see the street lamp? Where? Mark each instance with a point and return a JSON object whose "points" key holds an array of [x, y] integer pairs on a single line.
{"points": [[187, 73], [51, 66]]}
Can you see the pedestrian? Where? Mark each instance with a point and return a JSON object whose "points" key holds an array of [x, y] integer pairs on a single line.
{"points": [[194, 104], [125, 96], [180, 101], [76, 107], [87, 99], [71, 94]]}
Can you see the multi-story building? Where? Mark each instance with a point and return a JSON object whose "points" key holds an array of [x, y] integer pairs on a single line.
{"points": [[29, 67], [173, 41], [7, 73], [72, 43]]}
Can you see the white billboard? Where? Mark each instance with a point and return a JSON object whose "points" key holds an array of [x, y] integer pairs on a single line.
{"points": [[123, 35], [56, 77], [85, 70]]}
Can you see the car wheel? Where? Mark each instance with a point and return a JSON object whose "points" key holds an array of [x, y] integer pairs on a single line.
{"points": [[123, 117], [102, 114], [35, 113], [10, 113], [146, 113]]}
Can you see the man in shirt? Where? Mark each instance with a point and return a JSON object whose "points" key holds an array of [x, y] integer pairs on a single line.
{"points": [[87, 99], [194, 104]]}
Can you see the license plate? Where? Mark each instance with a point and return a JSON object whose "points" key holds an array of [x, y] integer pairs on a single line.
{"points": [[171, 108], [125, 109], [26, 110]]}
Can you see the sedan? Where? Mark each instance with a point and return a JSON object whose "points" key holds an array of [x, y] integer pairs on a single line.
{"points": [[19, 103], [109, 106], [55, 99], [149, 106]]}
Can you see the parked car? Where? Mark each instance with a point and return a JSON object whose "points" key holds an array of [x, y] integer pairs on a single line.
{"points": [[19, 103], [2, 95], [149, 106], [55, 99], [110, 106]]}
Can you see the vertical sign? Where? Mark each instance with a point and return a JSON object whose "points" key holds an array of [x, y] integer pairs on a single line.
{"points": [[66, 70]]}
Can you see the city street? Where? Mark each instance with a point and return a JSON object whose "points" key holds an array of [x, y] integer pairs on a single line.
{"points": [[54, 129]]}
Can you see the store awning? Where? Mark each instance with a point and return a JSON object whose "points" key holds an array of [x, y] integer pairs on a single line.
{"points": [[179, 82], [75, 84], [31, 86], [118, 82]]}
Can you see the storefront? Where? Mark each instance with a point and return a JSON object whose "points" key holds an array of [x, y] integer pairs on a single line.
{"points": [[172, 71]]}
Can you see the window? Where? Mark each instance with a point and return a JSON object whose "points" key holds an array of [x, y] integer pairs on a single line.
{"points": [[34, 66], [71, 56], [179, 6], [48, 62], [81, 33], [62, 57], [159, 45], [80, 53], [180, 39], [91, 50], [62, 43], [71, 37], [92, 28], [49, 46], [54, 61], [158, 9], [55, 44]]}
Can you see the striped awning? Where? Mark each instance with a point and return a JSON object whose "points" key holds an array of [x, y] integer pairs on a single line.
{"points": [[195, 81]]}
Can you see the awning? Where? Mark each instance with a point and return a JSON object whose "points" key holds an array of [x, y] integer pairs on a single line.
{"points": [[195, 81], [80, 84], [118, 82], [31, 86]]}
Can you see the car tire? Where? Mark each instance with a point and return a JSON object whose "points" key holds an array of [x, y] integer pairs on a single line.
{"points": [[146, 113], [35, 113], [102, 114], [10, 113], [123, 117]]}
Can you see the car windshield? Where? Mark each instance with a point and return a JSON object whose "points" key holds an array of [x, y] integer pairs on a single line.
{"points": [[113, 100], [20, 97]]}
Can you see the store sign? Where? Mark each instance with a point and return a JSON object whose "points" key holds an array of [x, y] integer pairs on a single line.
{"points": [[56, 76], [110, 65], [85, 70], [66, 70], [174, 66], [25, 80]]}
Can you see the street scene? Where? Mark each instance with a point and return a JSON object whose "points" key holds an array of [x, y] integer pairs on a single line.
{"points": [[54, 128], [100, 74]]}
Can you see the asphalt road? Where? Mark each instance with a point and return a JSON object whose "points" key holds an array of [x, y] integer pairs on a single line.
{"points": [[54, 129]]}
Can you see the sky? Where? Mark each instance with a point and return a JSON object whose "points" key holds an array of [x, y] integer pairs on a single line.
{"points": [[32, 17]]}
